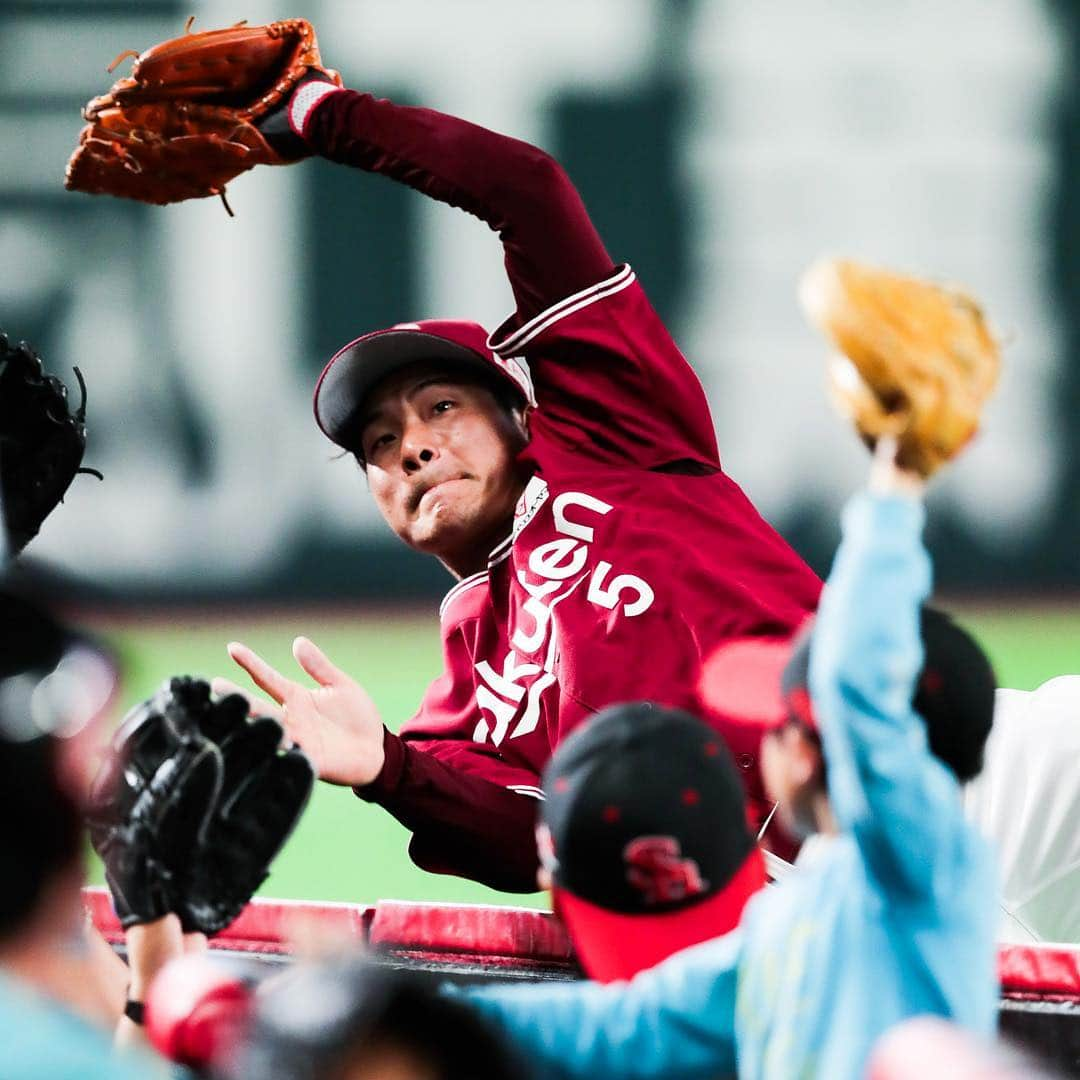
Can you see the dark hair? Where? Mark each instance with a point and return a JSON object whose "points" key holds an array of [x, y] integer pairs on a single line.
{"points": [[954, 694], [44, 830], [320, 1017]]}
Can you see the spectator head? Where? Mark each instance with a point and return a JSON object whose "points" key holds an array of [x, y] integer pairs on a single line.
{"points": [[766, 682], [644, 838], [349, 1019], [54, 684]]}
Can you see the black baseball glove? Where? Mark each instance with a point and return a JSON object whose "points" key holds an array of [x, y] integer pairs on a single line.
{"points": [[264, 792], [150, 804], [41, 441], [200, 840]]}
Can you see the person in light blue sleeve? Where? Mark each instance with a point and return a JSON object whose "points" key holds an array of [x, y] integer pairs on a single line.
{"points": [[891, 909]]}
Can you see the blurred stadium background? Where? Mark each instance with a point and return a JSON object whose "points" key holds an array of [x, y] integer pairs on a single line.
{"points": [[720, 145]]}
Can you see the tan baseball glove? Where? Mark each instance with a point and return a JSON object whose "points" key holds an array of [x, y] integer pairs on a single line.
{"points": [[917, 361], [188, 119]]}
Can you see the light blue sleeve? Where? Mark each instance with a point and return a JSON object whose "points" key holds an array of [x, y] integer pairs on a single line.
{"points": [[675, 1021], [902, 805]]}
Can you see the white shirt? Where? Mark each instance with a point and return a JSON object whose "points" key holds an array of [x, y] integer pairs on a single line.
{"points": [[1027, 800]]}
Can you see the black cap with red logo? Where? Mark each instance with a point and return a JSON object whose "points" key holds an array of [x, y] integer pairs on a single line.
{"points": [[644, 830]]}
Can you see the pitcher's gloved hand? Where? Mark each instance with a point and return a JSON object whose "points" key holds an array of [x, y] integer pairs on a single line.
{"points": [[186, 121], [280, 127]]}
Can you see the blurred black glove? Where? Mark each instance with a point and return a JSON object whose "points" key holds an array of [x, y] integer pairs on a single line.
{"points": [[192, 806], [150, 804], [264, 792]]}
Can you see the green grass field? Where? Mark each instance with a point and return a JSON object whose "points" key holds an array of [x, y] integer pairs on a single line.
{"points": [[347, 850]]}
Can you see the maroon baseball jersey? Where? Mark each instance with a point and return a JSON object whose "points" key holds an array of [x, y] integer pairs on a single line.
{"points": [[631, 554]]}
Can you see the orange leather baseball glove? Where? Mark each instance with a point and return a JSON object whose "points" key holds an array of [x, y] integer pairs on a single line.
{"points": [[186, 121], [917, 361]]}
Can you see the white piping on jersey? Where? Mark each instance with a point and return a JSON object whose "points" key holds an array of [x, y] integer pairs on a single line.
{"points": [[527, 789], [462, 586], [622, 277], [495, 560], [499, 553]]}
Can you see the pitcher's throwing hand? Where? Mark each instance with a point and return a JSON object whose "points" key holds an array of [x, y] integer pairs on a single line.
{"points": [[335, 723]]}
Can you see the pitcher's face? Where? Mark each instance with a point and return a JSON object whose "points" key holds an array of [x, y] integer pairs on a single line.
{"points": [[441, 464]]}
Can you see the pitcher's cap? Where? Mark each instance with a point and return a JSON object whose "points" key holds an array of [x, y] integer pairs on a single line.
{"points": [[355, 370]]}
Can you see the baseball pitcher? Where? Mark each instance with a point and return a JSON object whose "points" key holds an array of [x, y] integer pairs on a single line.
{"points": [[564, 468]]}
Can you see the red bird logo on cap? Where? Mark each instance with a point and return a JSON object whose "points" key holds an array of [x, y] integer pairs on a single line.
{"points": [[656, 868]]}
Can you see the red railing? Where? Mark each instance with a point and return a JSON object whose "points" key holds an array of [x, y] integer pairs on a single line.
{"points": [[518, 940]]}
